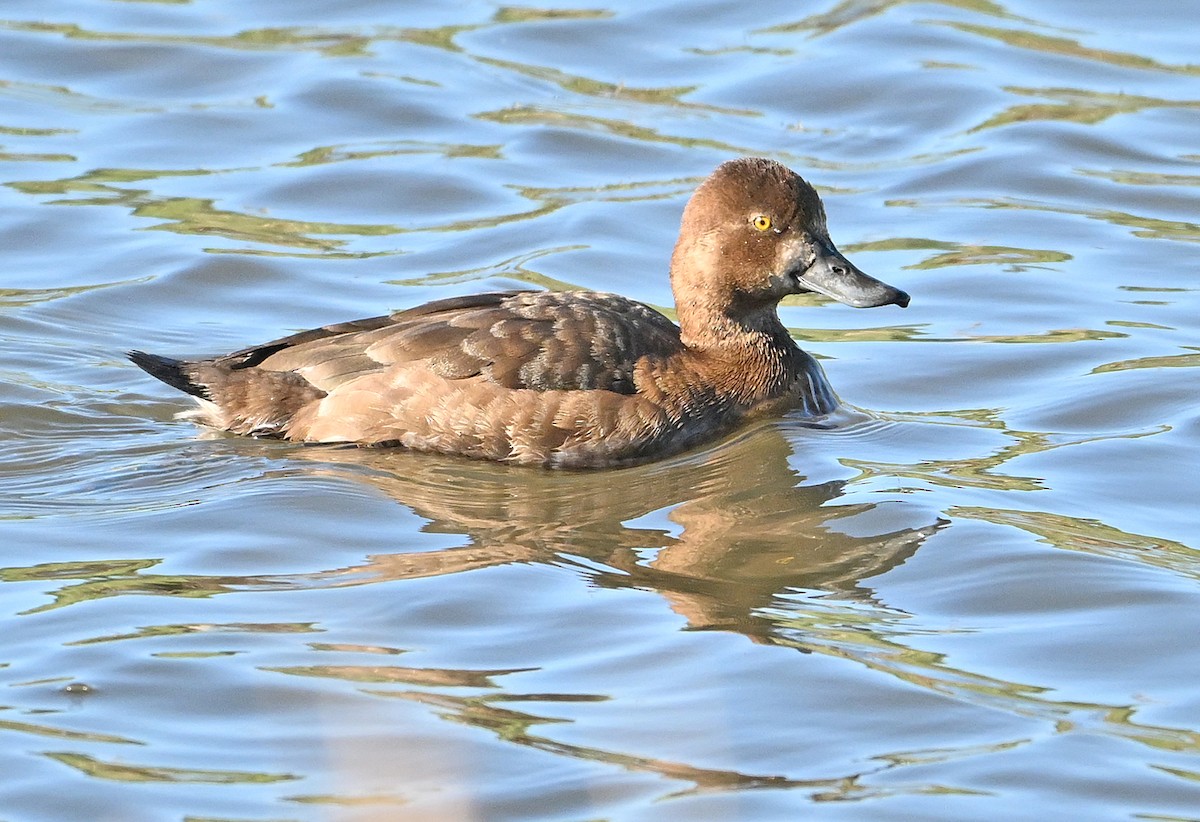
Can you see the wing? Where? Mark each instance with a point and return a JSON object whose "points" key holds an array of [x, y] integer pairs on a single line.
{"points": [[520, 339]]}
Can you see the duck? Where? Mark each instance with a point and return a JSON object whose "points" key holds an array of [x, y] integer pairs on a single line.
{"points": [[573, 379]]}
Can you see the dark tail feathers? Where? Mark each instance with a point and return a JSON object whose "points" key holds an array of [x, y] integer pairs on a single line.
{"points": [[170, 371]]}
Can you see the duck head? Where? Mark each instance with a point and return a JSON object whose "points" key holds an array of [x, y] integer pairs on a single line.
{"points": [[753, 233]]}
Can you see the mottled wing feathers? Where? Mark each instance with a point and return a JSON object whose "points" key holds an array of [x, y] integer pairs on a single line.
{"points": [[538, 340]]}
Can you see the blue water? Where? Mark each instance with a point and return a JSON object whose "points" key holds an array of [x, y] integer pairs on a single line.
{"points": [[977, 597]]}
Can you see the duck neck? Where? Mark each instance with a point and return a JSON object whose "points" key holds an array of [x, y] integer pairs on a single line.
{"points": [[731, 330], [746, 353]]}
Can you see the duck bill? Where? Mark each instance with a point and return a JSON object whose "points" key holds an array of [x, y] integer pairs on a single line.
{"points": [[836, 277]]}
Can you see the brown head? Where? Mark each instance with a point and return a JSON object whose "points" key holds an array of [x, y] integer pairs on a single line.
{"points": [[753, 233]]}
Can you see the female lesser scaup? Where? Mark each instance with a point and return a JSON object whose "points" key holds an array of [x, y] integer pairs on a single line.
{"points": [[571, 379]]}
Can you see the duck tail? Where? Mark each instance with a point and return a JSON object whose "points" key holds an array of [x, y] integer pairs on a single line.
{"points": [[251, 401], [173, 372]]}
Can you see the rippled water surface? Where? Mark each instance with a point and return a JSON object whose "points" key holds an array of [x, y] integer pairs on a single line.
{"points": [[978, 599]]}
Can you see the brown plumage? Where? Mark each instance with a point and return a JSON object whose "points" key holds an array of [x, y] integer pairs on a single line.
{"points": [[570, 379]]}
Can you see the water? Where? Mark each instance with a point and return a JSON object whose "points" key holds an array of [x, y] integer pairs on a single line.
{"points": [[977, 599]]}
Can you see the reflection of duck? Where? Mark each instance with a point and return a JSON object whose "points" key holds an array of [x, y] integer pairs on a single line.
{"points": [[718, 534], [573, 379]]}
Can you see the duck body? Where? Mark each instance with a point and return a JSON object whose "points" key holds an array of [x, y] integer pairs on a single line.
{"points": [[564, 379]]}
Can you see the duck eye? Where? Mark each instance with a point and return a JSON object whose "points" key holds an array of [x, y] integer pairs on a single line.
{"points": [[762, 222]]}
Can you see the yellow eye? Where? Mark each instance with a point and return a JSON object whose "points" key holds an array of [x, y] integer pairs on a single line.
{"points": [[762, 222]]}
